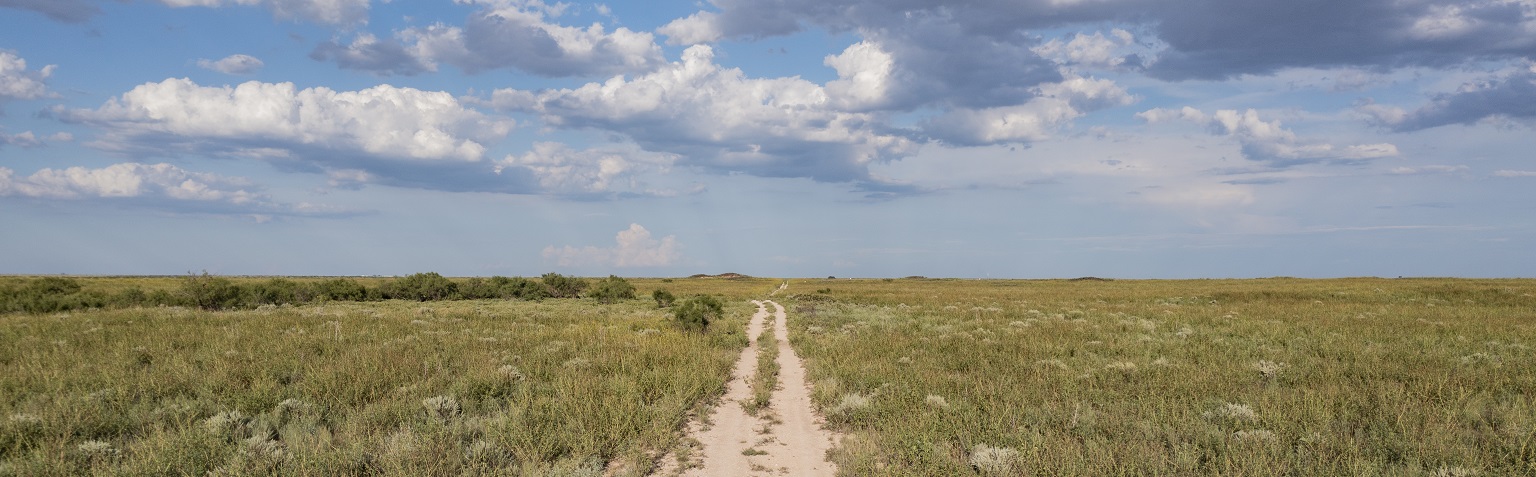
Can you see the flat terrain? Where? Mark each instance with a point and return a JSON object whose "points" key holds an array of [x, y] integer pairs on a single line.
{"points": [[918, 377]]}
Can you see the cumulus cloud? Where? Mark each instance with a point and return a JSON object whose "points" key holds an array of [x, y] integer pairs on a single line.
{"points": [[339, 12], [233, 64], [1092, 51], [505, 34], [1055, 104], [400, 136], [17, 82], [68, 11], [718, 119], [155, 185], [1268, 141], [634, 247], [585, 172], [1510, 95]]}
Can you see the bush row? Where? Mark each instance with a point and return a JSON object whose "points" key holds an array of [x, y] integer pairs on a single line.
{"points": [[210, 292]]}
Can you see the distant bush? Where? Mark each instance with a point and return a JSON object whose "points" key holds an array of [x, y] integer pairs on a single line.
{"points": [[428, 286], [561, 286], [695, 314], [612, 289], [210, 292], [276, 291], [663, 298], [48, 295], [343, 289]]}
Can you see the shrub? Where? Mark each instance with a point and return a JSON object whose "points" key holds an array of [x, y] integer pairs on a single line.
{"points": [[210, 292], [427, 286], [561, 286], [695, 314], [478, 289], [612, 289], [342, 289], [663, 298], [275, 291], [519, 288]]}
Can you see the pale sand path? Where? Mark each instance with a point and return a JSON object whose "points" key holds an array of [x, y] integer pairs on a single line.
{"points": [[797, 446], [802, 444]]}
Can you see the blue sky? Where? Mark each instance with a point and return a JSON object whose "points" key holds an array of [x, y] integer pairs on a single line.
{"points": [[802, 138]]}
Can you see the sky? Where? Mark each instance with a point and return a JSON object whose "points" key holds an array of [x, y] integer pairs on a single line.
{"points": [[784, 138]]}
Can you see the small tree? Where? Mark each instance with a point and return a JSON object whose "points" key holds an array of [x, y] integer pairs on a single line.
{"points": [[695, 314], [612, 289], [663, 298]]}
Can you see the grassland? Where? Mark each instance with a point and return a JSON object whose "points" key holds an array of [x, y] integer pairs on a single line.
{"points": [[1208, 377], [924, 377], [480, 387]]}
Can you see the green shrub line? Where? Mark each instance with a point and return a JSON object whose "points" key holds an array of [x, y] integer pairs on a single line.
{"points": [[212, 292]]}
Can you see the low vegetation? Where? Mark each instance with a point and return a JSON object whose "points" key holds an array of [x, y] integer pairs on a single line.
{"points": [[475, 387], [1240, 377], [555, 375]]}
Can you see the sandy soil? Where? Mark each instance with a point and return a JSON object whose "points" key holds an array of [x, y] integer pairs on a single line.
{"points": [[786, 439]]}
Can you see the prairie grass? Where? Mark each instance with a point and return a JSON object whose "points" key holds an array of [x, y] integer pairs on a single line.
{"points": [[562, 387], [766, 379], [1202, 377]]}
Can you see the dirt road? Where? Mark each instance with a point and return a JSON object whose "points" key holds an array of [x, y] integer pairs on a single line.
{"points": [[785, 439]]}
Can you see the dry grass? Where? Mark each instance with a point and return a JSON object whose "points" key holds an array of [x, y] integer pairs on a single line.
{"points": [[1228, 377]]}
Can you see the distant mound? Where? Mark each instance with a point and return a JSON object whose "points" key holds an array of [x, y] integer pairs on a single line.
{"points": [[727, 275], [1088, 279]]}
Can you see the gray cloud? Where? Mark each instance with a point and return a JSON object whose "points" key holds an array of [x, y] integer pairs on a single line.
{"points": [[1203, 39], [67, 11], [1511, 95], [368, 53], [233, 64]]}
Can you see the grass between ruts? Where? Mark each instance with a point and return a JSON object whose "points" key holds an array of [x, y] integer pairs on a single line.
{"points": [[1206, 377], [767, 377]]}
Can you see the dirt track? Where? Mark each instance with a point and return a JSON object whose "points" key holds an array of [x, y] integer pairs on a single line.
{"points": [[785, 439]]}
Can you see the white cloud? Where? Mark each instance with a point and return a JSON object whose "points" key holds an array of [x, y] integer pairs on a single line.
{"points": [[1269, 141], [1036, 120], [1513, 173], [563, 170], [339, 12], [863, 77], [28, 139], [507, 34], [719, 119], [1095, 51], [160, 186], [16, 82], [233, 64], [694, 29], [1429, 169], [278, 120], [634, 247]]}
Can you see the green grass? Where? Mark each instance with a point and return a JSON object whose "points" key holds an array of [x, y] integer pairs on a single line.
{"points": [[925, 376], [446, 388], [767, 376], [1229, 377]]}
